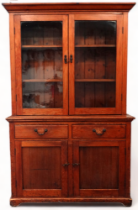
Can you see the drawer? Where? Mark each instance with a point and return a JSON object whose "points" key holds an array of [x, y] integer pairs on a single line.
{"points": [[41, 131], [98, 131]]}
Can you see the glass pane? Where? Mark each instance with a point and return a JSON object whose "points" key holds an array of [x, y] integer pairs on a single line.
{"points": [[42, 68], [94, 94], [95, 63], [42, 94]]}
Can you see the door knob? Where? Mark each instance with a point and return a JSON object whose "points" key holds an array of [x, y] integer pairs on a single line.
{"points": [[76, 164], [66, 164]]}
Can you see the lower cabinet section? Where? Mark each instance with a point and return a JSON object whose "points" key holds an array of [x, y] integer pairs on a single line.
{"points": [[41, 168], [73, 169], [98, 168]]}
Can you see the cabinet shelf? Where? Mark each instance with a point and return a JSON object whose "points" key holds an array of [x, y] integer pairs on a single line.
{"points": [[96, 45], [40, 46], [94, 80], [42, 80]]}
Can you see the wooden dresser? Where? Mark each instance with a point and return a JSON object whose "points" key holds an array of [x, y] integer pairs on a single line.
{"points": [[70, 136]]}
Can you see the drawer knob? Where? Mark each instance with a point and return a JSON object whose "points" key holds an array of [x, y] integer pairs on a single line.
{"points": [[40, 134], [99, 132]]}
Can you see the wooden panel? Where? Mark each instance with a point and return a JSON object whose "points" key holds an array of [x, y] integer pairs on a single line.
{"points": [[75, 169], [79, 33], [89, 95], [89, 33], [100, 33], [12, 64], [128, 159], [42, 193], [124, 62], [100, 63], [18, 168], [95, 178], [69, 6], [79, 63], [18, 65], [89, 63], [99, 193], [110, 68], [86, 131], [110, 93], [99, 95], [90, 118], [41, 167], [53, 131], [13, 160], [94, 173], [71, 65], [79, 94], [64, 171]]}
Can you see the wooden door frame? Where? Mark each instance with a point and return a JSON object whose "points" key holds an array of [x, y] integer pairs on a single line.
{"points": [[99, 192], [18, 64], [119, 67], [41, 192]]}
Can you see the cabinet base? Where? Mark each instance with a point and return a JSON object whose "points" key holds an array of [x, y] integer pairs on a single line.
{"points": [[17, 201]]}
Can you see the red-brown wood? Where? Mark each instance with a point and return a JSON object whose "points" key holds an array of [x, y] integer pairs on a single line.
{"points": [[60, 100], [93, 163], [79, 101], [31, 158], [98, 131], [17, 201], [55, 155], [68, 6], [52, 131]]}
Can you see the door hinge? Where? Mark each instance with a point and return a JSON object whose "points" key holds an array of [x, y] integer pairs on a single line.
{"points": [[122, 30], [16, 183], [14, 151], [121, 97], [14, 30]]}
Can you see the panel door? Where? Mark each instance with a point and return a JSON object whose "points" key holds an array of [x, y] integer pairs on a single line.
{"points": [[99, 168], [41, 168], [41, 53], [95, 68]]}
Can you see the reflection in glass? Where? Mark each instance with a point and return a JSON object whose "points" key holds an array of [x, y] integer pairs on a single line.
{"points": [[42, 71], [42, 95]]}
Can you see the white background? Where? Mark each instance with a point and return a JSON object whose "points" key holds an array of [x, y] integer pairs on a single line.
{"points": [[5, 109]]}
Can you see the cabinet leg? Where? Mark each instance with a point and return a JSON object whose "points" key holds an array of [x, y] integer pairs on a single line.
{"points": [[14, 203], [127, 203]]}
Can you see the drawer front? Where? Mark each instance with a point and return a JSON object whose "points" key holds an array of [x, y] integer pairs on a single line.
{"points": [[41, 131], [98, 131]]}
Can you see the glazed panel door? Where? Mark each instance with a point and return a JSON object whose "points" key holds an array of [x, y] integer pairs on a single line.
{"points": [[99, 168], [41, 169], [41, 53], [95, 68]]}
